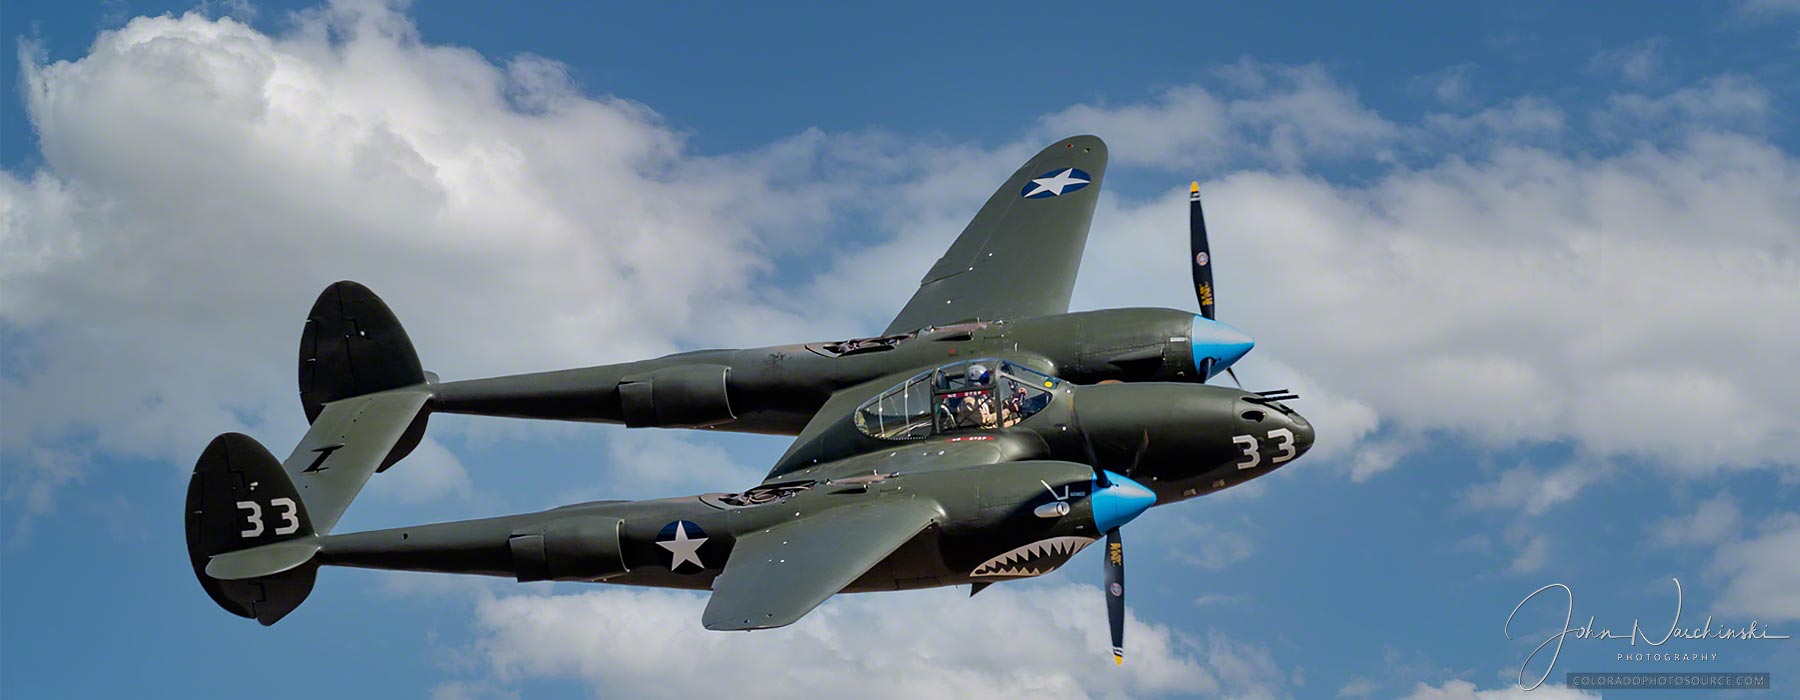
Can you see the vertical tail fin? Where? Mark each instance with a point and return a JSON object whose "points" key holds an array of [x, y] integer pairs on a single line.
{"points": [[238, 499], [251, 535], [353, 345]]}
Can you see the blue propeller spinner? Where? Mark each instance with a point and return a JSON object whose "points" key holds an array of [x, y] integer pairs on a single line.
{"points": [[1119, 500]]}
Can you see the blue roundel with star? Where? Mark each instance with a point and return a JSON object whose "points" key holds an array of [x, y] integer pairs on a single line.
{"points": [[1056, 183], [681, 541]]}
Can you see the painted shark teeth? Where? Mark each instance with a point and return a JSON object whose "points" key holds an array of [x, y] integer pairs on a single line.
{"points": [[1035, 559]]}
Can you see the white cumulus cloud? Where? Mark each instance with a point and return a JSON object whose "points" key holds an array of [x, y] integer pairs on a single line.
{"points": [[1621, 303], [1009, 642], [202, 181], [1763, 582]]}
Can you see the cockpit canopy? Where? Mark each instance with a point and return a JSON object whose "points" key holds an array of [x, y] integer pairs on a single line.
{"points": [[984, 394]]}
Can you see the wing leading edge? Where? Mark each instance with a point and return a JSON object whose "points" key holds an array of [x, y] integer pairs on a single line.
{"points": [[1019, 255]]}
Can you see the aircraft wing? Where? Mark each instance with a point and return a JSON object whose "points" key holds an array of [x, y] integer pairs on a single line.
{"points": [[348, 442], [1019, 256], [776, 576]]}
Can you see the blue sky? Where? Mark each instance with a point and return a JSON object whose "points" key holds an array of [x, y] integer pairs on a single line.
{"points": [[1526, 265]]}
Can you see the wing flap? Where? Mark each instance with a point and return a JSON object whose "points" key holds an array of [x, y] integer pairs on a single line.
{"points": [[777, 576], [346, 444]]}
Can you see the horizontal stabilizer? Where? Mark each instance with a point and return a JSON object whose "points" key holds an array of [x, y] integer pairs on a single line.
{"points": [[349, 441], [267, 560], [253, 523]]}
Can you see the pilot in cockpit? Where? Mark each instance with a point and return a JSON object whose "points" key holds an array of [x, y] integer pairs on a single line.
{"points": [[974, 410], [1013, 409], [984, 412]]}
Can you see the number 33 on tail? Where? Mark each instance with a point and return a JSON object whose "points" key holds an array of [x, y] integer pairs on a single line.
{"points": [[289, 523]]}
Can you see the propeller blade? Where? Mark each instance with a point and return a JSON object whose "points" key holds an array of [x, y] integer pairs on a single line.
{"points": [[1093, 461], [1234, 378], [1115, 593], [1143, 447], [1200, 252]]}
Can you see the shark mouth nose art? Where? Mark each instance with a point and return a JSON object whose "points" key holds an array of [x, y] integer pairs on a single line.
{"points": [[1035, 559]]}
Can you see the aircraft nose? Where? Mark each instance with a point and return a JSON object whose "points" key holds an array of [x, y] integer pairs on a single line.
{"points": [[1303, 433], [1218, 342], [1120, 502]]}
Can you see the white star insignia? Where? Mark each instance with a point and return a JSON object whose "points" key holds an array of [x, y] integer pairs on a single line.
{"points": [[682, 548], [1055, 184]]}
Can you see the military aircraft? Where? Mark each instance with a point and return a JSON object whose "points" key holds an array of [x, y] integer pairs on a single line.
{"points": [[947, 451]]}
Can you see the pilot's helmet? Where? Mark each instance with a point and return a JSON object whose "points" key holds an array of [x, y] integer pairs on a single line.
{"points": [[978, 374]]}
